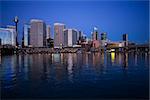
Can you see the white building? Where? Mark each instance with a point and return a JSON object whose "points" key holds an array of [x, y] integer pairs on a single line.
{"points": [[70, 37], [58, 35], [26, 31], [8, 36]]}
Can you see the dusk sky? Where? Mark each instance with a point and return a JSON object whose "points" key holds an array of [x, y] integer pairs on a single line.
{"points": [[113, 17]]}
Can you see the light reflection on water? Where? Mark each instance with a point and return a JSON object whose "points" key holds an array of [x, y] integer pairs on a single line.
{"points": [[70, 74]]}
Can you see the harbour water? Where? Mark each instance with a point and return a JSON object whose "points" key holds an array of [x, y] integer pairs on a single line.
{"points": [[75, 75]]}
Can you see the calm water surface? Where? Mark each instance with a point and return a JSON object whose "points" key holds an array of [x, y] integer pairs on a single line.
{"points": [[89, 75]]}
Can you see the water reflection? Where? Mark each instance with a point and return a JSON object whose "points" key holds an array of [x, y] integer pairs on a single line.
{"points": [[112, 57], [125, 65], [0, 59], [58, 69], [70, 65]]}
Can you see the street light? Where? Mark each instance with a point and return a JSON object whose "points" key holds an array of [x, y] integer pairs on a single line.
{"points": [[16, 24]]}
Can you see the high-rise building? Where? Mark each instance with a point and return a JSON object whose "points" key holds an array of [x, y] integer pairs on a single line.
{"points": [[80, 33], [95, 34], [13, 29], [48, 31], [103, 36], [37, 33], [0, 41], [8, 36], [58, 35], [95, 38], [125, 39], [70, 37], [103, 39], [26, 31]]}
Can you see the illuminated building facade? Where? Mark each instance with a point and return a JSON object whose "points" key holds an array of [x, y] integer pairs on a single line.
{"points": [[70, 37], [8, 36], [58, 35], [125, 39], [95, 38], [48, 31], [37, 33], [26, 31], [103, 39]]}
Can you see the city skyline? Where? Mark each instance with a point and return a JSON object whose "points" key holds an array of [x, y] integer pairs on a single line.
{"points": [[115, 18]]}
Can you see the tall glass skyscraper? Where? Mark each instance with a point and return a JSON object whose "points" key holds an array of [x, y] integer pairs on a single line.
{"points": [[7, 36], [95, 38], [26, 32], [58, 35], [95, 34]]}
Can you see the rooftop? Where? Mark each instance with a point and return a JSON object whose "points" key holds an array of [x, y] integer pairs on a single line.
{"points": [[58, 24], [36, 20]]}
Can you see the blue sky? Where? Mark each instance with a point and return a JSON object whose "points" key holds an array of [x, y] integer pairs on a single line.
{"points": [[113, 17]]}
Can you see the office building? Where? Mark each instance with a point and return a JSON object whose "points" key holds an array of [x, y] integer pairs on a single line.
{"points": [[80, 33], [95, 34], [26, 31], [37, 33], [103, 39], [0, 41], [70, 37], [48, 31], [11, 27], [8, 36], [58, 35], [125, 39], [95, 38]]}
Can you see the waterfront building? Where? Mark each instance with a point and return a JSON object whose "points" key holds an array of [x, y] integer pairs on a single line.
{"points": [[95, 38], [59, 35], [103, 39], [13, 29], [125, 39], [26, 33], [8, 36], [0, 41], [37, 33], [80, 33], [95, 34], [115, 44], [48, 31], [70, 37]]}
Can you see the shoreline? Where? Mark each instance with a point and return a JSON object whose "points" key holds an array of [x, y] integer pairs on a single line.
{"points": [[11, 51]]}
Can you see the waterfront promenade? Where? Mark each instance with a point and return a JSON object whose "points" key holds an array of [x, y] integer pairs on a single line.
{"points": [[4, 50]]}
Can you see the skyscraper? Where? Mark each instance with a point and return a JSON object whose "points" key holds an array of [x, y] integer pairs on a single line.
{"points": [[103, 39], [13, 30], [125, 39], [95, 34], [48, 31], [8, 36], [95, 38], [70, 37], [58, 35], [37, 33], [26, 31], [80, 33]]}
